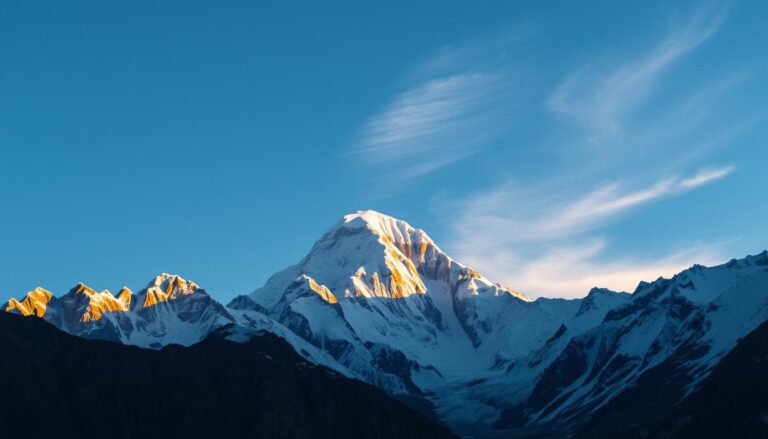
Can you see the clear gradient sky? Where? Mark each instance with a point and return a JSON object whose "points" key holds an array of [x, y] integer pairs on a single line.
{"points": [[553, 146]]}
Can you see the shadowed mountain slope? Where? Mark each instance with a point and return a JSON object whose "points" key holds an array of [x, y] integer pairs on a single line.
{"points": [[731, 402], [55, 384]]}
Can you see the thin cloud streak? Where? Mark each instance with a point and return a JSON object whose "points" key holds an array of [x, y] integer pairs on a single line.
{"points": [[545, 247], [706, 176], [572, 270], [599, 101], [452, 106], [513, 219], [434, 124]]}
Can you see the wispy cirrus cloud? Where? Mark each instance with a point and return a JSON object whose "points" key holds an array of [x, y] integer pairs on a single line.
{"points": [[600, 98], [513, 215], [572, 270], [436, 123], [705, 176], [451, 106], [609, 201], [545, 243]]}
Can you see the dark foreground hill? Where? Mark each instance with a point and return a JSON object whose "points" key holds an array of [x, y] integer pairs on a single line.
{"points": [[58, 385]]}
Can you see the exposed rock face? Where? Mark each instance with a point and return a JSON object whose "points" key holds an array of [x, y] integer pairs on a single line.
{"points": [[35, 303]]}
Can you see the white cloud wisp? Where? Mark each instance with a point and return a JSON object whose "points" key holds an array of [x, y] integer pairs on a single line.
{"points": [[546, 248], [434, 124], [600, 100]]}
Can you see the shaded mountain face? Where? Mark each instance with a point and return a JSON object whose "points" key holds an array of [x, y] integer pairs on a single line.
{"points": [[376, 299], [57, 385], [731, 402]]}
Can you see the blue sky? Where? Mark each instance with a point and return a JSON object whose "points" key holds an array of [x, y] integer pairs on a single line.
{"points": [[551, 145]]}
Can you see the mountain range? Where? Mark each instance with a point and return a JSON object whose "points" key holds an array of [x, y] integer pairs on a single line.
{"points": [[377, 300]]}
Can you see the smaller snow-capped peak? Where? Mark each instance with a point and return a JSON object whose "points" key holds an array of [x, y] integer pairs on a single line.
{"points": [[475, 284], [165, 287], [34, 303], [604, 298], [125, 295], [94, 305], [173, 282]]}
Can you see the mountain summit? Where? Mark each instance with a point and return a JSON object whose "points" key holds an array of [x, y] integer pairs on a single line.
{"points": [[369, 254]]}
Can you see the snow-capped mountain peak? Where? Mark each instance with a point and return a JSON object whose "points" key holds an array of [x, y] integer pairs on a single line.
{"points": [[89, 305], [165, 287], [371, 255]]}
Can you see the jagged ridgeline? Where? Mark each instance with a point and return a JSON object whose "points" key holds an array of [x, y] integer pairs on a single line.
{"points": [[377, 299]]}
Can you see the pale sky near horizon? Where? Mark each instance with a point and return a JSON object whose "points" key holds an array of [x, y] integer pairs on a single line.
{"points": [[553, 146]]}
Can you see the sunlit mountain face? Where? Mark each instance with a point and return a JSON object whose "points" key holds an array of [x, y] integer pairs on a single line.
{"points": [[377, 300]]}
